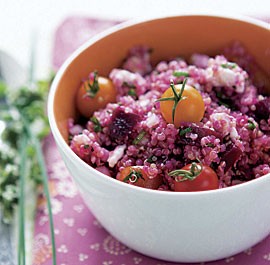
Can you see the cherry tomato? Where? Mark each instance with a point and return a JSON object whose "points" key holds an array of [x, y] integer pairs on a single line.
{"points": [[202, 178], [136, 175], [189, 106], [94, 94]]}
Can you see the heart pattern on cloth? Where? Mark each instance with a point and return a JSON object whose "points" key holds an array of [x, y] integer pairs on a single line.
{"points": [[78, 208], [69, 222], [82, 231]]}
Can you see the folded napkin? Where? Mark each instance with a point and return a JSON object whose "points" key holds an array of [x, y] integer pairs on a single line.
{"points": [[80, 239]]}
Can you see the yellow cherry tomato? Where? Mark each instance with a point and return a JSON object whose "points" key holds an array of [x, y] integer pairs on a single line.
{"points": [[181, 105], [94, 94]]}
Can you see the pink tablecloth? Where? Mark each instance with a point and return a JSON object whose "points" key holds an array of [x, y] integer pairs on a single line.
{"points": [[80, 239]]}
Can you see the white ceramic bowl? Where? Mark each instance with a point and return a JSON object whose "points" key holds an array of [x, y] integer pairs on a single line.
{"points": [[181, 227]]}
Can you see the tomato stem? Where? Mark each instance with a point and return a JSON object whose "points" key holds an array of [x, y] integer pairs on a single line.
{"points": [[177, 96], [92, 89], [183, 175], [133, 176]]}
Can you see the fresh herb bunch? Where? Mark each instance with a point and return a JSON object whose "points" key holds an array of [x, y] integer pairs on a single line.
{"points": [[24, 103]]}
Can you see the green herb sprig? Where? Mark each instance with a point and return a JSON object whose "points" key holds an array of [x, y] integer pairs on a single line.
{"points": [[180, 74], [96, 123], [132, 92], [251, 125], [139, 137], [31, 103], [228, 65], [152, 159], [185, 131], [24, 124]]}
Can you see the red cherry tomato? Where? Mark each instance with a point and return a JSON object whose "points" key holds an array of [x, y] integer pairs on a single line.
{"points": [[199, 178], [136, 175]]}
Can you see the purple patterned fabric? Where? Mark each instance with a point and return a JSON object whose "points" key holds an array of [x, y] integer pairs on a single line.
{"points": [[72, 33], [80, 239]]}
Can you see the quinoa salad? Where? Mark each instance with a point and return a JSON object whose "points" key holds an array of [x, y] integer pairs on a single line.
{"points": [[147, 133]]}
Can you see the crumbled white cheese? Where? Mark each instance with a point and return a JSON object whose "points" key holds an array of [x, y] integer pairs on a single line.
{"points": [[144, 103], [151, 120], [81, 139], [116, 155], [226, 76], [234, 134]]}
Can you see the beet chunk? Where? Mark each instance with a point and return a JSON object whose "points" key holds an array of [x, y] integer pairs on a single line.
{"points": [[263, 109], [230, 156], [122, 125], [200, 131]]}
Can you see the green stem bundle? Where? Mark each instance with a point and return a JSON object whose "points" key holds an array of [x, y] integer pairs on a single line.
{"points": [[23, 173], [28, 135]]}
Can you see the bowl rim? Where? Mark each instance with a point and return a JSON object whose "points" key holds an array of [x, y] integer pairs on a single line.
{"points": [[123, 25]]}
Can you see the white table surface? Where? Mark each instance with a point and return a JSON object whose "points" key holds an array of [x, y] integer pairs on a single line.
{"points": [[19, 19]]}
